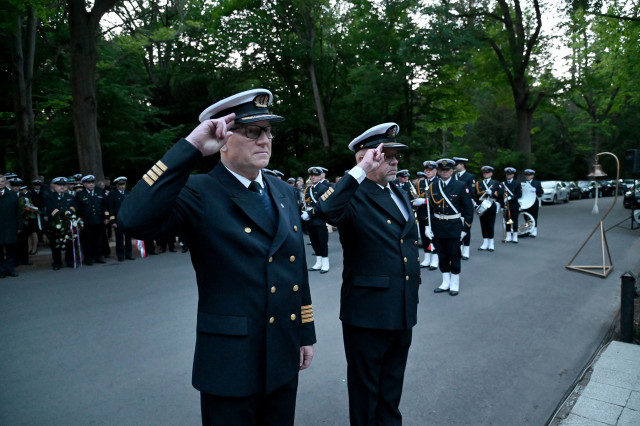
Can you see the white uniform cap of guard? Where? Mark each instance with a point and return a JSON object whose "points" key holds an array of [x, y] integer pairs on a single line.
{"points": [[384, 133], [249, 106]]}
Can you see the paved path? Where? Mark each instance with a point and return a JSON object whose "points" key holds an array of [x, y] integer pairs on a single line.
{"points": [[113, 344], [611, 395]]}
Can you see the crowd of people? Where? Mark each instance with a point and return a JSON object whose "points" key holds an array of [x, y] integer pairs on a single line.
{"points": [[74, 215], [244, 227]]}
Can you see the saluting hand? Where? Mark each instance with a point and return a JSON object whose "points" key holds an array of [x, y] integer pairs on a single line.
{"points": [[211, 135], [372, 159]]}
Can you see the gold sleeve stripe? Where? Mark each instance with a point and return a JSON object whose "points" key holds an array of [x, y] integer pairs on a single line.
{"points": [[306, 316], [307, 308], [73, 209], [53, 213], [148, 180], [152, 175], [157, 170], [112, 217], [468, 224], [162, 166], [305, 320], [106, 213], [326, 194]]}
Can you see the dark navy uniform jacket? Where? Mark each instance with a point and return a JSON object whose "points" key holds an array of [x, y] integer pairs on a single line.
{"points": [[516, 189], [56, 205], [423, 185], [114, 201], [458, 194], [381, 272], [494, 187], [254, 306], [468, 180], [538, 186], [92, 208], [317, 190]]}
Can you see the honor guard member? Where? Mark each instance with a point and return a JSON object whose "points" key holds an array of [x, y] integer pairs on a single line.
{"points": [[463, 175], [317, 227], [402, 181], [255, 328], [59, 204], [488, 193], [92, 207], [381, 276], [430, 256], [451, 216], [534, 186], [114, 201], [512, 193], [323, 176], [12, 224]]}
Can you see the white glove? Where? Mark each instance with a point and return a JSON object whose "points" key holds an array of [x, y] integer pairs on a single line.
{"points": [[428, 232], [305, 216], [418, 202], [509, 198], [462, 235]]}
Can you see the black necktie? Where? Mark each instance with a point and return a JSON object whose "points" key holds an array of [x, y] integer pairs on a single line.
{"points": [[266, 200]]}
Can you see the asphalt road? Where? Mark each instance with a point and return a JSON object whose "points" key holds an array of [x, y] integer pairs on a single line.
{"points": [[113, 344]]}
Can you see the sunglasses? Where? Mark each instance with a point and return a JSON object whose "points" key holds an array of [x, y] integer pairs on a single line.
{"points": [[253, 132]]}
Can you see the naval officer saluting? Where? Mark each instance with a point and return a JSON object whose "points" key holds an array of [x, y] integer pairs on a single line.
{"points": [[381, 277], [255, 327]]}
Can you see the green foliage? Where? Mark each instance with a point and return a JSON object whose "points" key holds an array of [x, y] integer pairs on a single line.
{"points": [[426, 69]]}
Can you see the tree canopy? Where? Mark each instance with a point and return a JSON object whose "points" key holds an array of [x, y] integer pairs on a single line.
{"points": [[473, 79]]}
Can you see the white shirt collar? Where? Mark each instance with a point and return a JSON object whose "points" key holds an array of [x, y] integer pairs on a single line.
{"points": [[243, 180]]}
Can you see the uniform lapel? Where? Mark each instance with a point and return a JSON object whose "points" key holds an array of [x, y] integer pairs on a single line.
{"points": [[284, 220], [246, 200], [380, 197]]}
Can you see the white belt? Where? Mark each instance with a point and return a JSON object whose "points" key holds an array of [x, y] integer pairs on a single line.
{"points": [[447, 216]]}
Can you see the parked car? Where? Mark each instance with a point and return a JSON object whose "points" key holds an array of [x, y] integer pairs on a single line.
{"points": [[588, 188], [575, 193], [627, 184], [631, 198], [608, 187], [554, 191]]}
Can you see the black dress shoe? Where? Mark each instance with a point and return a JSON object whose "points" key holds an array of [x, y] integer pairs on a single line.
{"points": [[465, 258], [184, 249], [12, 274], [433, 268], [86, 263], [323, 271], [121, 259], [313, 270], [56, 267], [481, 249], [439, 290], [153, 253], [453, 293], [172, 250], [490, 249], [100, 261], [131, 258]]}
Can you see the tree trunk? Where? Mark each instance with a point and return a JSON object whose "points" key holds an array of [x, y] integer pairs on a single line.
{"points": [[319, 107], [524, 117], [83, 27], [22, 74]]}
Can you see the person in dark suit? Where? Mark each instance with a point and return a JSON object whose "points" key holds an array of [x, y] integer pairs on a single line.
{"points": [[430, 255], [536, 187], [57, 205], [11, 225], [381, 277], [402, 181], [451, 218], [114, 201], [255, 328], [316, 226], [488, 190], [512, 193], [93, 209], [469, 180]]}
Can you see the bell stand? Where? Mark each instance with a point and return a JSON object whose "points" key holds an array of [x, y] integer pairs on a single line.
{"points": [[599, 270]]}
